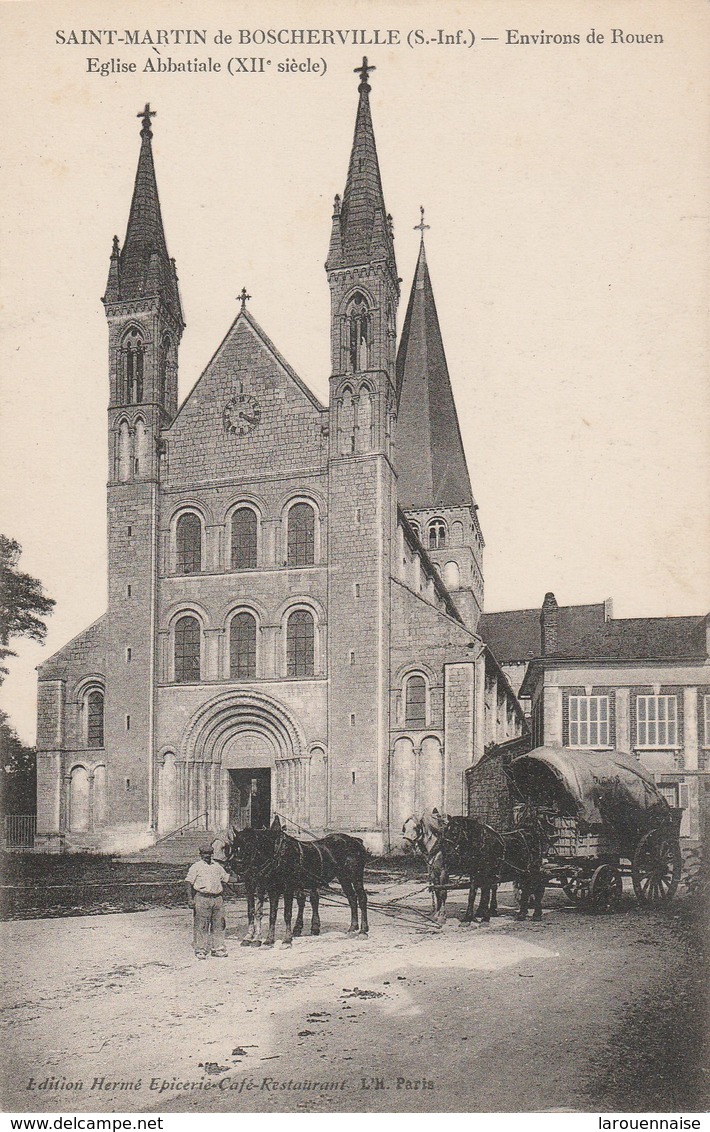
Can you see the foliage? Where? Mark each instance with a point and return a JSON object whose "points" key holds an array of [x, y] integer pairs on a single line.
{"points": [[23, 602], [18, 772]]}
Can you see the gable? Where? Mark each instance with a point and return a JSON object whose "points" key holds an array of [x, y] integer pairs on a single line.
{"points": [[261, 394]]}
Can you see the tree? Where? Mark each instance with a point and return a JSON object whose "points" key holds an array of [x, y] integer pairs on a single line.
{"points": [[23, 602], [18, 772]]}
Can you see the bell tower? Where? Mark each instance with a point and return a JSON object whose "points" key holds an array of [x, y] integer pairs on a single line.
{"points": [[145, 324], [364, 289]]}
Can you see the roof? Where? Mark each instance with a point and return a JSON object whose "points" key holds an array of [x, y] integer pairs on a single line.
{"points": [[362, 231], [584, 633], [429, 455], [143, 266], [514, 635], [590, 778]]}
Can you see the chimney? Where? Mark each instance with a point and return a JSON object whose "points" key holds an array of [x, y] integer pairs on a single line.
{"points": [[548, 626]]}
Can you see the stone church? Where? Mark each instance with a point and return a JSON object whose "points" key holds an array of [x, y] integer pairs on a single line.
{"points": [[294, 589]]}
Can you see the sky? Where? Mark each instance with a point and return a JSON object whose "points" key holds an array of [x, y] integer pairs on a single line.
{"points": [[566, 189]]}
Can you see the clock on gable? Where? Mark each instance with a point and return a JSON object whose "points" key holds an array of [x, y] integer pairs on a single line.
{"points": [[241, 415]]}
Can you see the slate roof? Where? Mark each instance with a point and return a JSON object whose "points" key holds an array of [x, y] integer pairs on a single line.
{"points": [[143, 266], [429, 456], [362, 231], [584, 634]]}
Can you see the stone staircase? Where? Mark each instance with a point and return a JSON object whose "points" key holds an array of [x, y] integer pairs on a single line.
{"points": [[179, 848]]}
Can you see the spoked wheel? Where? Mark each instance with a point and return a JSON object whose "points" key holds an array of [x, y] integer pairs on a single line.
{"points": [[656, 867], [576, 888], [606, 889]]}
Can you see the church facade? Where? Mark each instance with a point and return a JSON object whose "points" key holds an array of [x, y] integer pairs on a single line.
{"points": [[294, 589]]}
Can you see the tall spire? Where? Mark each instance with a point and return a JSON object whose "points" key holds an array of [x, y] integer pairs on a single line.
{"points": [[362, 230], [144, 267], [431, 465]]}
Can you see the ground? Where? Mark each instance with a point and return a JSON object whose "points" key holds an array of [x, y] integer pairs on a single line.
{"points": [[581, 1012]]}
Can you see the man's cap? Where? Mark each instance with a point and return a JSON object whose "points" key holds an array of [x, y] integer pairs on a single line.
{"points": [[205, 848]]}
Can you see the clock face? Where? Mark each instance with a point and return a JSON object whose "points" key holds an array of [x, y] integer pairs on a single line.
{"points": [[241, 415]]}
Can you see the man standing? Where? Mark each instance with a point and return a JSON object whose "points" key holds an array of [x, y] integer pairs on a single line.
{"points": [[204, 887]]}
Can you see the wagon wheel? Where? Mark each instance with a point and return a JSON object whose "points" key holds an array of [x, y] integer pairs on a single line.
{"points": [[656, 867], [606, 889], [575, 887]]}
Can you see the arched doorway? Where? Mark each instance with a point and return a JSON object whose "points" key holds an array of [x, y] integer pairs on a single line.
{"points": [[242, 760], [249, 764]]}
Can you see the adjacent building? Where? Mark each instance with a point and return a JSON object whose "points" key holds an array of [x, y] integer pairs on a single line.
{"points": [[590, 681]]}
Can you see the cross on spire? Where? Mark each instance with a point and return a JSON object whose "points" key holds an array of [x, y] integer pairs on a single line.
{"points": [[243, 297], [364, 73], [146, 114], [421, 226]]}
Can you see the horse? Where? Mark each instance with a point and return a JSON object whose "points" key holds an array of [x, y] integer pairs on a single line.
{"points": [[250, 853], [490, 858], [516, 856], [448, 843], [312, 864]]}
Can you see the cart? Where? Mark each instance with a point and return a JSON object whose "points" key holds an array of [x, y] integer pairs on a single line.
{"points": [[608, 820]]}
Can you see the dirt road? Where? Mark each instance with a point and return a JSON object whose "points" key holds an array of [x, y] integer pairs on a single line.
{"points": [[112, 1013]]}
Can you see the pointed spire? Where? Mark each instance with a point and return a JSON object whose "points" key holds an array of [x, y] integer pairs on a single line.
{"points": [[144, 266], [430, 459], [364, 228]]}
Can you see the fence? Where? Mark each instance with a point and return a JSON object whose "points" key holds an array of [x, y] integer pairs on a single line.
{"points": [[20, 831]]}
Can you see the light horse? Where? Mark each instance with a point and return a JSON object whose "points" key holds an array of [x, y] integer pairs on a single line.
{"points": [[447, 844], [251, 854], [488, 857]]}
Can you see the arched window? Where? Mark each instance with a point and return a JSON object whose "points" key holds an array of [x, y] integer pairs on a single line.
{"points": [[95, 719], [188, 539], [242, 646], [79, 800], [301, 535], [359, 333], [187, 651], [415, 702], [437, 534], [300, 644], [244, 539], [134, 353], [415, 528], [452, 576], [140, 466], [125, 457], [163, 357], [364, 419], [457, 534], [347, 422]]}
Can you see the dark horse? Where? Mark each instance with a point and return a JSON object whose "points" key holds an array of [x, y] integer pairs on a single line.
{"points": [[489, 858], [251, 854], [312, 864]]}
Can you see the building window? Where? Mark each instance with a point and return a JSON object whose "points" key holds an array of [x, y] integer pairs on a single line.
{"points": [[415, 702], [656, 721], [415, 528], [301, 535], [358, 324], [300, 644], [244, 539], [437, 534], [95, 719], [242, 646], [589, 721], [163, 368], [187, 651], [134, 352], [188, 538]]}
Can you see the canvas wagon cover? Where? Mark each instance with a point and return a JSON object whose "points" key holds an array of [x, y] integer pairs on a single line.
{"points": [[594, 781]]}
